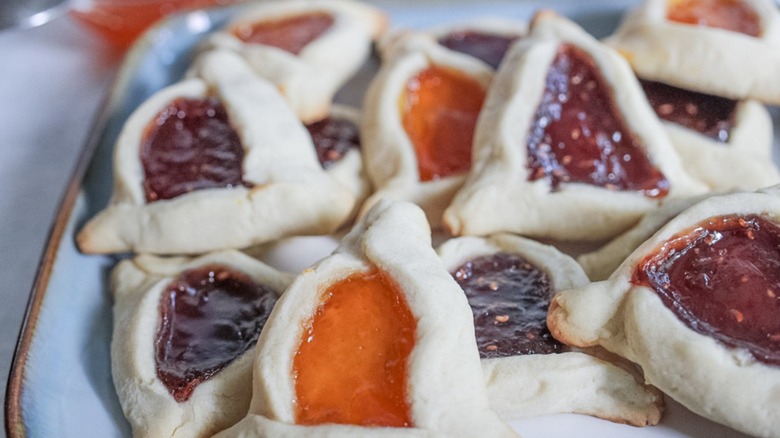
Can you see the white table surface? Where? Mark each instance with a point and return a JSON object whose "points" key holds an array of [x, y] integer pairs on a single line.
{"points": [[52, 82]]}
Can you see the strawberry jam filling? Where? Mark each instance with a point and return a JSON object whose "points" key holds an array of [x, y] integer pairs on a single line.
{"points": [[209, 316], [487, 47], [509, 298], [439, 112], [733, 15], [290, 34], [333, 138], [709, 115], [722, 279], [579, 136], [352, 364], [190, 145]]}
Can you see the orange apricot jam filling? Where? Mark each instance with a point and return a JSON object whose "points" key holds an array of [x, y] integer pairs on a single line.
{"points": [[352, 363], [733, 15], [290, 34], [439, 110]]}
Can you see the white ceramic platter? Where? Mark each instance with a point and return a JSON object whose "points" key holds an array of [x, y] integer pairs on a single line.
{"points": [[61, 382]]}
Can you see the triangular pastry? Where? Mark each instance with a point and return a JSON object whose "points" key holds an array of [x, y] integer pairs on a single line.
{"points": [[509, 282], [567, 146], [696, 306], [725, 143], [376, 339], [255, 177], [184, 335], [418, 123], [307, 48], [727, 48]]}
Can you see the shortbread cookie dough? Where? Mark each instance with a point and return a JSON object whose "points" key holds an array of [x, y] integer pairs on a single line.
{"points": [[725, 143], [184, 335], [725, 48], [307, 48], [418, 124], [567, 147], [509, 282], [255, 177], [696, 307], [381, 315]]}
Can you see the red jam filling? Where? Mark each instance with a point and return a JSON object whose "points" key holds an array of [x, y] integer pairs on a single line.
{"points": [[722, 279], [578, 135], [488, 47], [190, 145], [209, 316], [290, 34], [352, 364], [709, 115], [333, 138], [733, 15], [439, 112], [509, 298]]}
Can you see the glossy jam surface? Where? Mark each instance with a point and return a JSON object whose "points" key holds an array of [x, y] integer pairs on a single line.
{"points": [[290, 34], [578, 135], [722, 279], [509, 298], [352, 364], [488, 47], [333, 137], [709, 115], [439, 112], [733, 15], [209, 316], [190, 145]]}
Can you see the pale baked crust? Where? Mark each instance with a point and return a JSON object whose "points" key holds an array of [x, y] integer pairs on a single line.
{"points": [[541, 384], [216, 403], [743, 162], [723, 384], [708, 60], [291, 194], [389, 155], [498, 196], [601, 263], [310, 79], [446, 388]]}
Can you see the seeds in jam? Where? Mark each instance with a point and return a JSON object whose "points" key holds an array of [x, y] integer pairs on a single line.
{"points": [[190, 145], [488, 47], [710, 115], [578, 135], [509, 298], [351, 366], [733, 15], [333, 138], [290, 34], [439, 112], [722, 279], [209, 316]]}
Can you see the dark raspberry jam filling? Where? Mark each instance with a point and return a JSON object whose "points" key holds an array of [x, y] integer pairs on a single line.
{"points": [[209, 316], [290, 34], [509, 298], [579, 136], [488, 47], [333, 138], [190, 145], [710, 115], [722, 279]]}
